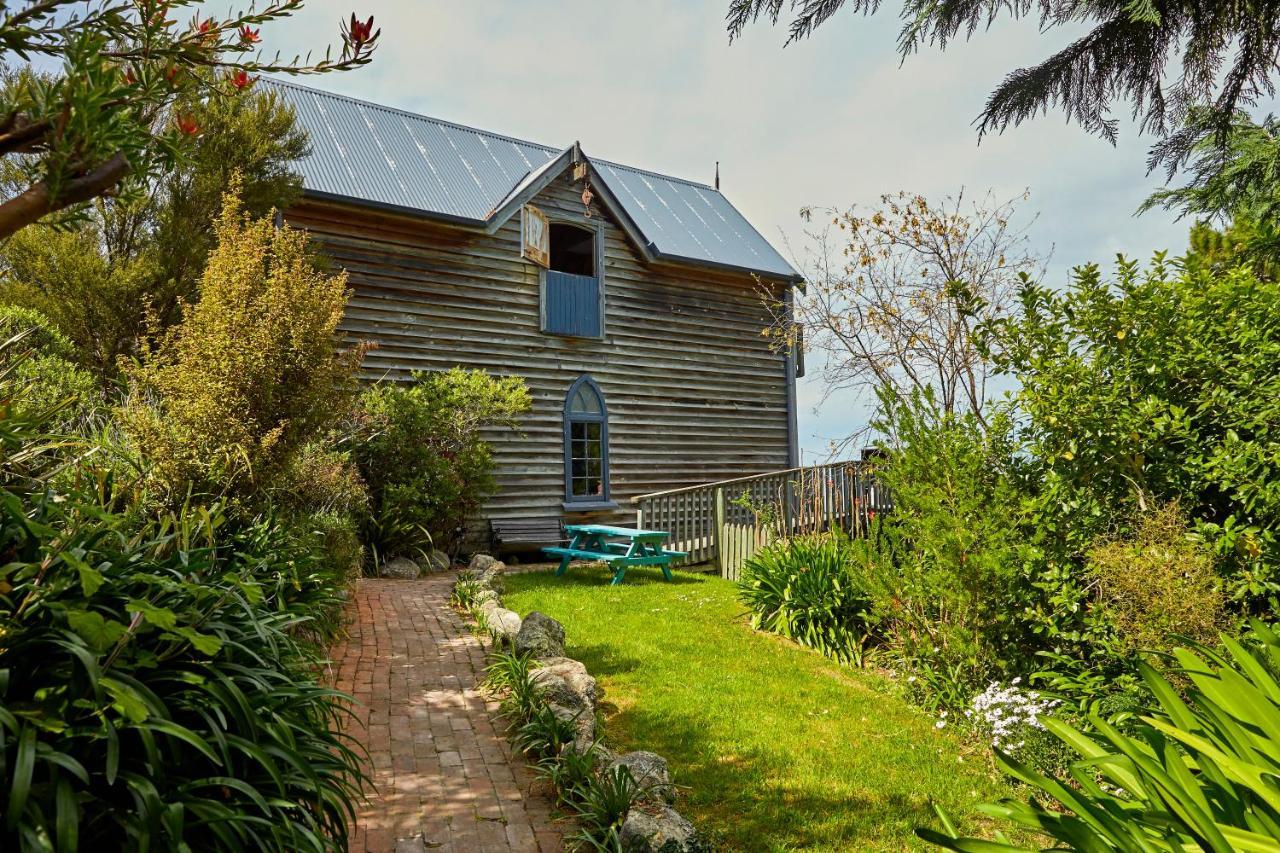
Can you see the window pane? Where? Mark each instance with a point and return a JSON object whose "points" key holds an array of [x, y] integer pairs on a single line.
{"points": [[585, 401]]}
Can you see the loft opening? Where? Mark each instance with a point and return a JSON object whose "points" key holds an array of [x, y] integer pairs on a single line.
{"points": [[572, 287], [573, 249]]}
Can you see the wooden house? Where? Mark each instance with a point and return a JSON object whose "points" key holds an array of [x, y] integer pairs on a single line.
{"points": [[629, 302]]}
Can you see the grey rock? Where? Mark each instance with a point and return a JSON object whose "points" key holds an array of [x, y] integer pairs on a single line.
{"points": [[568, 682], [584, 725], [437, 561], [484, 596], [540, 636], [650, 772], [492, 577], [505, 625], [400, 568], [660, 829], [480, 563]]}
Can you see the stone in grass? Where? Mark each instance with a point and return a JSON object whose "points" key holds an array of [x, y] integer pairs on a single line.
{"points": [[540, 636], [659, 829], [400, 568], [491, 577], [480, 563], [650, 772], [505, 625], [584, 725], [488, 572], [567, 682], [483, 597]]}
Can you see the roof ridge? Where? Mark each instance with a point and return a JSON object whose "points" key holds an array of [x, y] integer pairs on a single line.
{"points": [[275, 81]]}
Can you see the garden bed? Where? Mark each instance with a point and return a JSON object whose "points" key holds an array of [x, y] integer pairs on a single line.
{"points": [[776, 747]]}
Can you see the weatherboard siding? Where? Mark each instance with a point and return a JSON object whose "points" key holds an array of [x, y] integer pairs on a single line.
{"points": [[694, 392]]}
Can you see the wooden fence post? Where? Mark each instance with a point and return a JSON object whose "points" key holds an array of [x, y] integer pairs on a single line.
{"points": [[717, 533]]}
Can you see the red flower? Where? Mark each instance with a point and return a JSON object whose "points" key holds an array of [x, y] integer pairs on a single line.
{"points": [[187, 125], [249, 36], [206, 28], [130, 77], [360, 32], [241, 80]]}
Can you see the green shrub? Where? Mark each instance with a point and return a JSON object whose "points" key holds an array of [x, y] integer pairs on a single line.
{"points": [[807, 590], [948, 570], [250, 375], [1158, 584], [426, 461], [1158, 386], [319, 477], [1197, 773], [155, 690], [43, 367]]}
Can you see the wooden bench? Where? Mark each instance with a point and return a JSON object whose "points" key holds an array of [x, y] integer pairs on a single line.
{"points": [[640, 548], [528, 534]]}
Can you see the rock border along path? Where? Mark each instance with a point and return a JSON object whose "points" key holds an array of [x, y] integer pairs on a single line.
{"points": [[445, 776]]}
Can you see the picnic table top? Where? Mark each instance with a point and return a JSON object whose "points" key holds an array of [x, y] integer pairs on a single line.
{"points": [[608, 530]]}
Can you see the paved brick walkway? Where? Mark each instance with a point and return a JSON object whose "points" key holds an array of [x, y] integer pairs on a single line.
{"points": [[445, 777]]}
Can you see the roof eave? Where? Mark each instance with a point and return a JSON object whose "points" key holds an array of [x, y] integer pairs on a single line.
{"points": [[774, 275], [648, 251]]}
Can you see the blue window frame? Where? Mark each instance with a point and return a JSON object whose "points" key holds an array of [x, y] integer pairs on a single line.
{"points": [[586, 445], [572, 292]]}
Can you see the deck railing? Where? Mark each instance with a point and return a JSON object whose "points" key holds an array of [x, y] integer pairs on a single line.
{"points": [[728, 521]]}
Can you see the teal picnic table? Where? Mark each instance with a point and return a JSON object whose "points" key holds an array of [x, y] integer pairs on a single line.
{"points": [[592, 542]]}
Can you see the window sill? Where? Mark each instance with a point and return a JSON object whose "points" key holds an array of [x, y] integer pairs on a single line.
{"points": [[588, 506]]}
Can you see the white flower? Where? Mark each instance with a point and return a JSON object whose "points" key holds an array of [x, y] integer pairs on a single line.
{"points": [[939, 724]]}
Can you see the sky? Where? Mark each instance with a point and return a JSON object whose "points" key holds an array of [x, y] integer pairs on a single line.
{"points": [[833, 121]]}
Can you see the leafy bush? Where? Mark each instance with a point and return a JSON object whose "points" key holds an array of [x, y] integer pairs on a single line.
{"points": [[807, 590], [1198, 772], [42, 365], [426, 461], [949, 569], [155, 688], [1158, 584], [251, 373], [1156, 387]]}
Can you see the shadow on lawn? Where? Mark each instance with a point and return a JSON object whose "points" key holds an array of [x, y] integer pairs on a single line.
{"points": [[734, 799]]}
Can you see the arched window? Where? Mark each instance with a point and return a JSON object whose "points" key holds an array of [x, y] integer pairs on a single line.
{"points": [[586, 444]]}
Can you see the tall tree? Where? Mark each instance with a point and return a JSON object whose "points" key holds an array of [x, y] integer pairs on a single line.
{"points": [[1231, 187], [1228, 54], [104, 123], [126, 270], [895, 292]]}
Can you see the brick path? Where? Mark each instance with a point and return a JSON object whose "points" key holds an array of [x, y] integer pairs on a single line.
{"points": [[445, 777]]}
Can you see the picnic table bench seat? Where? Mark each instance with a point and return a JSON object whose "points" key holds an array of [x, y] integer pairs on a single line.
{"points": [[589, 542]]}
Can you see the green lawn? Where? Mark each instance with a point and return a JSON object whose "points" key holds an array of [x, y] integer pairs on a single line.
{"points": [[780, 748]]}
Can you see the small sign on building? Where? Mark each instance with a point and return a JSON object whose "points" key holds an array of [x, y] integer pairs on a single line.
{"points": [[535, 236]]}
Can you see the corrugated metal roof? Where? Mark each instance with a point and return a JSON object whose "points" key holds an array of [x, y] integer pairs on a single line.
{"points": [[388, 157]]}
